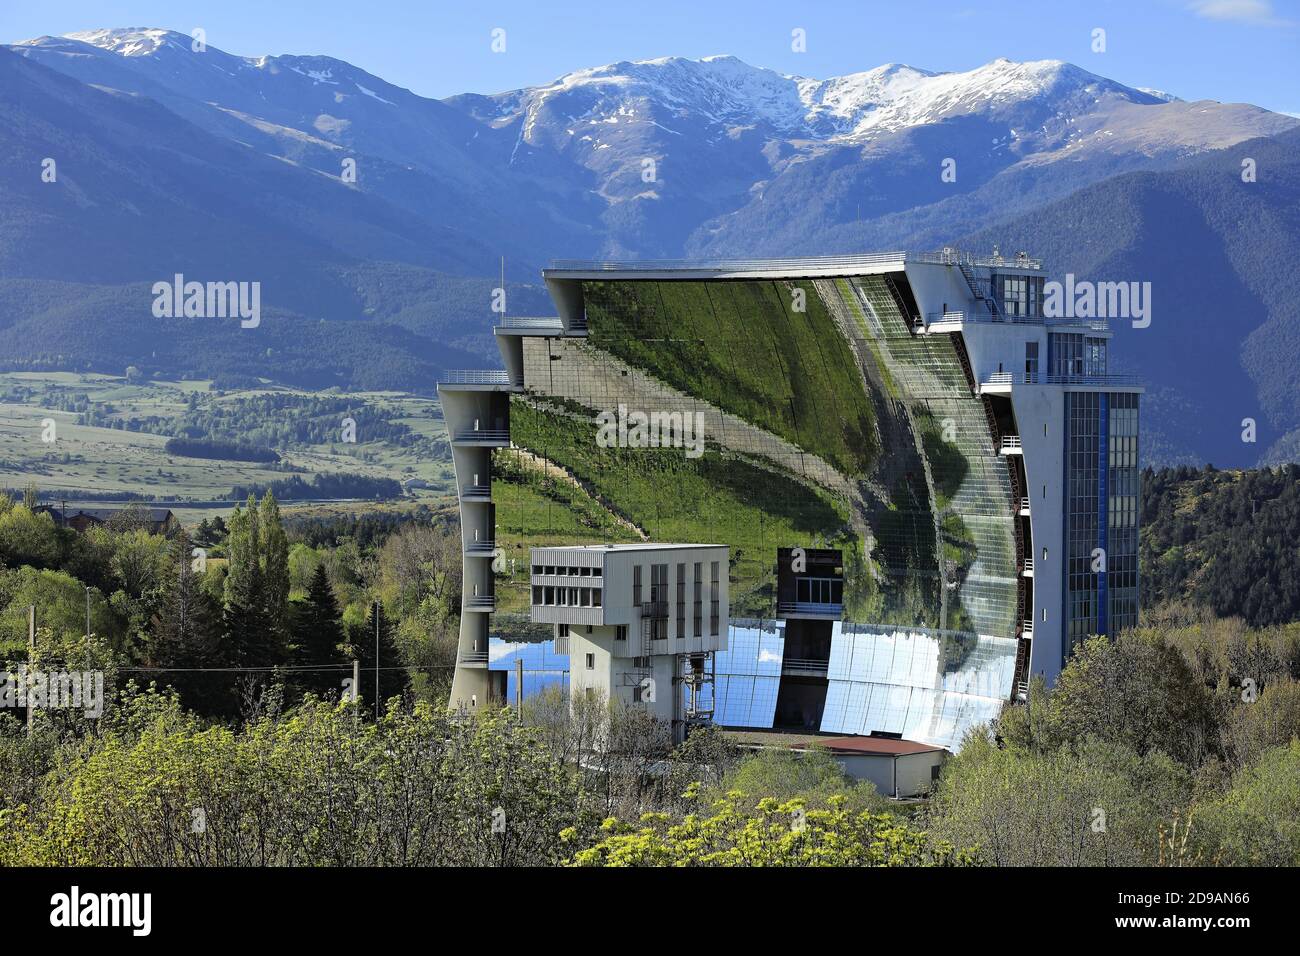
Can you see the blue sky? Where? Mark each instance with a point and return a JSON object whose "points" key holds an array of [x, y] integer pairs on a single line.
{"points": [[1229, 50]]}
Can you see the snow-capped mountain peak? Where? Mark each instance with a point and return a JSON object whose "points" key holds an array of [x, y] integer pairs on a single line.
{"points": [[726, 90], [133, 41]]}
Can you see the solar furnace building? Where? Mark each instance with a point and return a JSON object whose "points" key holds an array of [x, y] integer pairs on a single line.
{"points": [[927, 488]]}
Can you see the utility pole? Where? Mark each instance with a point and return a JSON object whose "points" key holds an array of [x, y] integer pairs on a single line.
{"points": [[519, 687], [376, 662], [31, 659]]}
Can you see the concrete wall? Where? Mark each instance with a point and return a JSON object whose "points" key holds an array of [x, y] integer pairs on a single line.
{"points": [[1040, 415]]}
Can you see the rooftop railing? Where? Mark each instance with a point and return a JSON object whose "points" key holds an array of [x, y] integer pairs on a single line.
{"points": [[948, 257], [956, 257], [728, 265]]}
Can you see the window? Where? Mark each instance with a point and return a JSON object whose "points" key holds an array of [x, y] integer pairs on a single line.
{"points": [[620, 632], [713, 599], [1031, 361], [591, 662], [699, 590], [659, 602], [563, 630], [681, 599], [636, 585], [819, 591], [1020, 295]]}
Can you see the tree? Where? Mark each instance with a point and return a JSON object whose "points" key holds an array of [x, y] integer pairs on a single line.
{"points": [[183, 635], [28, 538], [244, 634], [392, 674], [416, 788], [317, 636], [1257, 822], [1092, 804], [139, 561], [1138, 691], [275, 569], [60, 601], [1273, 720]]}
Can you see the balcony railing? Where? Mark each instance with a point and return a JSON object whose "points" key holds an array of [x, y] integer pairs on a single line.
{"points": [[481, 602], [654, 609], [810, 607], [1024, 506], [1010, 443], [1029, 566], [493, 435], [476, 376], [531, 322], [1021, 378], [481, 546], [803, 666], [1027, 629], [474, 657], [476, 492]]}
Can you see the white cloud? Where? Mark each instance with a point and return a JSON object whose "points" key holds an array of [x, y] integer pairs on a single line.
{"points": [[1247, 11]]}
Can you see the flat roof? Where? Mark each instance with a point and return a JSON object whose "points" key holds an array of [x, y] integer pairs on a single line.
{"points": [[642, 546], [877, 746], [794, 267]]}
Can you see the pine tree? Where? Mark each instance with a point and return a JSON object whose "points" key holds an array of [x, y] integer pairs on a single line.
{"points": [[317, 634], [392, 679], [183, 633]]}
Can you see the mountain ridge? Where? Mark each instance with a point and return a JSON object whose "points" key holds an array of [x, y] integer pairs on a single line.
{"points": [[176, 161]]}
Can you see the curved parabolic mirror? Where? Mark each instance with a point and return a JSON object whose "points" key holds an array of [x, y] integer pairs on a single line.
{"points": [[772, 414]]}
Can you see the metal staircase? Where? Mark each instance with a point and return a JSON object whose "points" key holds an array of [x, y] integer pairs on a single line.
{"points": [[979, 288]]}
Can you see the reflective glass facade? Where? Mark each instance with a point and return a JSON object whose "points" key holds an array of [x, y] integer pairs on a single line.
{"points": [[1101, 525], [768, 414]]}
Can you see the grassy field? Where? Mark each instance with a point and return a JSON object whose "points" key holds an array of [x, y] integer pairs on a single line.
{"points": [[671, 498], [746, 348], [109, 458]]}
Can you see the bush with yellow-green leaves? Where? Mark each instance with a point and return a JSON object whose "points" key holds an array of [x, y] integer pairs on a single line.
{"points": [[740, 832]]}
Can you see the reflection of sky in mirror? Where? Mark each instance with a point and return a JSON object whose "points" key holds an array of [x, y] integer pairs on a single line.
{"points": [[881, 678], [890, 680], [748, 674], [543, 668]]}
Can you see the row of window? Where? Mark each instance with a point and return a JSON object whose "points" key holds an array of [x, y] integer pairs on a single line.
{"points": [[549, 596], [570, 571], [819, 590]]}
